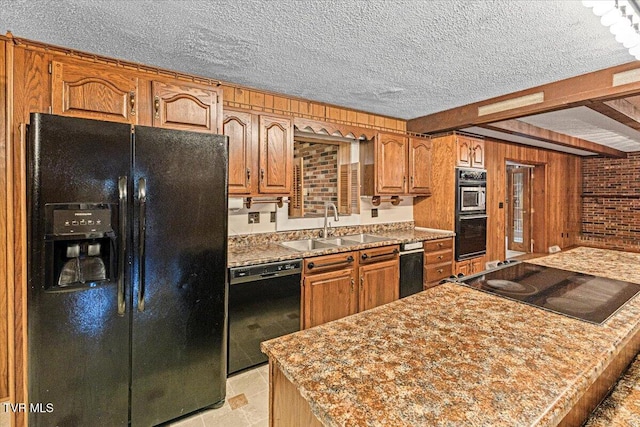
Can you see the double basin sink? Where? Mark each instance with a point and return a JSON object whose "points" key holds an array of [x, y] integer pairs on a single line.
{"points": [[305, 245]]}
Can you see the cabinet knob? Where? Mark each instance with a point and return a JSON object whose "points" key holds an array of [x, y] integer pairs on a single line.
{"points": [[439, 256], [440, 270], [440, 244]]}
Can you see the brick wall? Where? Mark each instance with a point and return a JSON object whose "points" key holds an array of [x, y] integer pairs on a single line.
{"points": [[320, 176], [611, 202]]}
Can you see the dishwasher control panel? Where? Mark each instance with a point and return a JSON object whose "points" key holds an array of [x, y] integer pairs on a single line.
{"points": [[264, 271]]}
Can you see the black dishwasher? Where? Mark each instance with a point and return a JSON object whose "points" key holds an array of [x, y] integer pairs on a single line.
{"points": [[264, 303], [411, 272]]}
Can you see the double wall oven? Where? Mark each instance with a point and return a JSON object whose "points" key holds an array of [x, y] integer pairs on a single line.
{"points": [[471, 213]]}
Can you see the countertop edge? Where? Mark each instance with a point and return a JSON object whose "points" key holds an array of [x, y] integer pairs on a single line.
{"points": [[288, 254]]}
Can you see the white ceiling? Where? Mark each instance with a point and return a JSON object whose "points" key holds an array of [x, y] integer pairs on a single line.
{"points": [[584, 123], [403, 58]]}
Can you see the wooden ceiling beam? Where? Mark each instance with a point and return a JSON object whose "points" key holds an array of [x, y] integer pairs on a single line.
{"points": [[620, 110], [520, 128], [604, 85]]}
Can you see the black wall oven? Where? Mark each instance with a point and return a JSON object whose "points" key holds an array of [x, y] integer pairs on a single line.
{"points": [[471, 213], [471, 236]]}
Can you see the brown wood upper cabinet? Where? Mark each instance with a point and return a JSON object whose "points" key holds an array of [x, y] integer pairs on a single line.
{"points": [[186, 107], [93, 92], [419, 166], [239, 127], [395, 164], [276, 154], [470, 152], [260, 153]]}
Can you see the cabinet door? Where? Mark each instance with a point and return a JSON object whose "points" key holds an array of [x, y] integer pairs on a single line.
{"points": [[477, 265], [329, 296], [463, 151], [93, 92], [379, 284], [186, 107], [463, 267], [239, 127], [477, 153], [419, 166], [391, 164], [276, 155]]}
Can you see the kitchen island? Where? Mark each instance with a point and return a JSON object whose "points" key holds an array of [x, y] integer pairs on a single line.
{"points": [[450, 356]]}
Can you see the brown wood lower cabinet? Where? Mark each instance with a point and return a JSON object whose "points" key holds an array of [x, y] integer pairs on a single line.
{"points": [[438, 261], [379, 273], [329, 289], [338, 285], [470, 266]]}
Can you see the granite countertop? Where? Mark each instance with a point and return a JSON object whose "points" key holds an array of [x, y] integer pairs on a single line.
{"points": [[452, 356], [241, 255], [622, 407]]}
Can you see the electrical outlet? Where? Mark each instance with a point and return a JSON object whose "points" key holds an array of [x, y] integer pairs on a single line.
{"points": [[254, 217], [273, 217], [374, 213]]}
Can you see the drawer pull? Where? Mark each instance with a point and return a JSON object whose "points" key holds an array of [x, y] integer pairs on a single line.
{"points": [[439, 256], [312, 265], [392, 253], [440, 270], [440, 244]]}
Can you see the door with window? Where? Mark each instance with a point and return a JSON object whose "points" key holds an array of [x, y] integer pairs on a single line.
{"points": [[519, 208]]}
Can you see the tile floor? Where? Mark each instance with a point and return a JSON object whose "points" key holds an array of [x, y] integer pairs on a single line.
{"points": [[247, 404]]}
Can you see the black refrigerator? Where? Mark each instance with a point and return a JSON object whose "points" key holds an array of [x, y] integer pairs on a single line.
{"points": [[127, 256]]}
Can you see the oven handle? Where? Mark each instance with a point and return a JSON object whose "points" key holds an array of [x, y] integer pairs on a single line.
{"points": [[463, 217]]}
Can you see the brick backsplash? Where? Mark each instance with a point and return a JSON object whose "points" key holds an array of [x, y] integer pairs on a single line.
{"points": [[611, 201]]}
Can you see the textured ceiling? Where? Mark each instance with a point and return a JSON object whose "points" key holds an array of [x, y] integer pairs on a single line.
{"points": [[399, 58]]}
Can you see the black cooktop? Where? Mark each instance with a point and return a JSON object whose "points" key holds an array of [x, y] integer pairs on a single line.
{"points": [[582, 296]]}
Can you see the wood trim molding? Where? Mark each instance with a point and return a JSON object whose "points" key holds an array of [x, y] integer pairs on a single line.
{"points": [[520, 128], [334, 129], [602, 85], [620, 110]]}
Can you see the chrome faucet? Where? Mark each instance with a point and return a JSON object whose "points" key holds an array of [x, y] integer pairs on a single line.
{"points": [[326, 211]]}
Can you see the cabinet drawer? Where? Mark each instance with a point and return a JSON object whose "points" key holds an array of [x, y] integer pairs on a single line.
{"points": [[438, 245], [437, 272], [321, 264], [439, 257], [383, 253]]}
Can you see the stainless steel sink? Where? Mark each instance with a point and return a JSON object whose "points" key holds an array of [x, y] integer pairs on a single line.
{"points": [[363, 238], [307, 245], [337, 241]]}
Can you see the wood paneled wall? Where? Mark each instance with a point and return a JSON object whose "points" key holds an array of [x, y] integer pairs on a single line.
{"points": [[556, 199], [4, 253], [556, 193]]}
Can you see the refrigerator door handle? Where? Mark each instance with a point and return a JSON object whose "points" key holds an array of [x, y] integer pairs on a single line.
{"points": [[122, 192], [142, 199]]}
